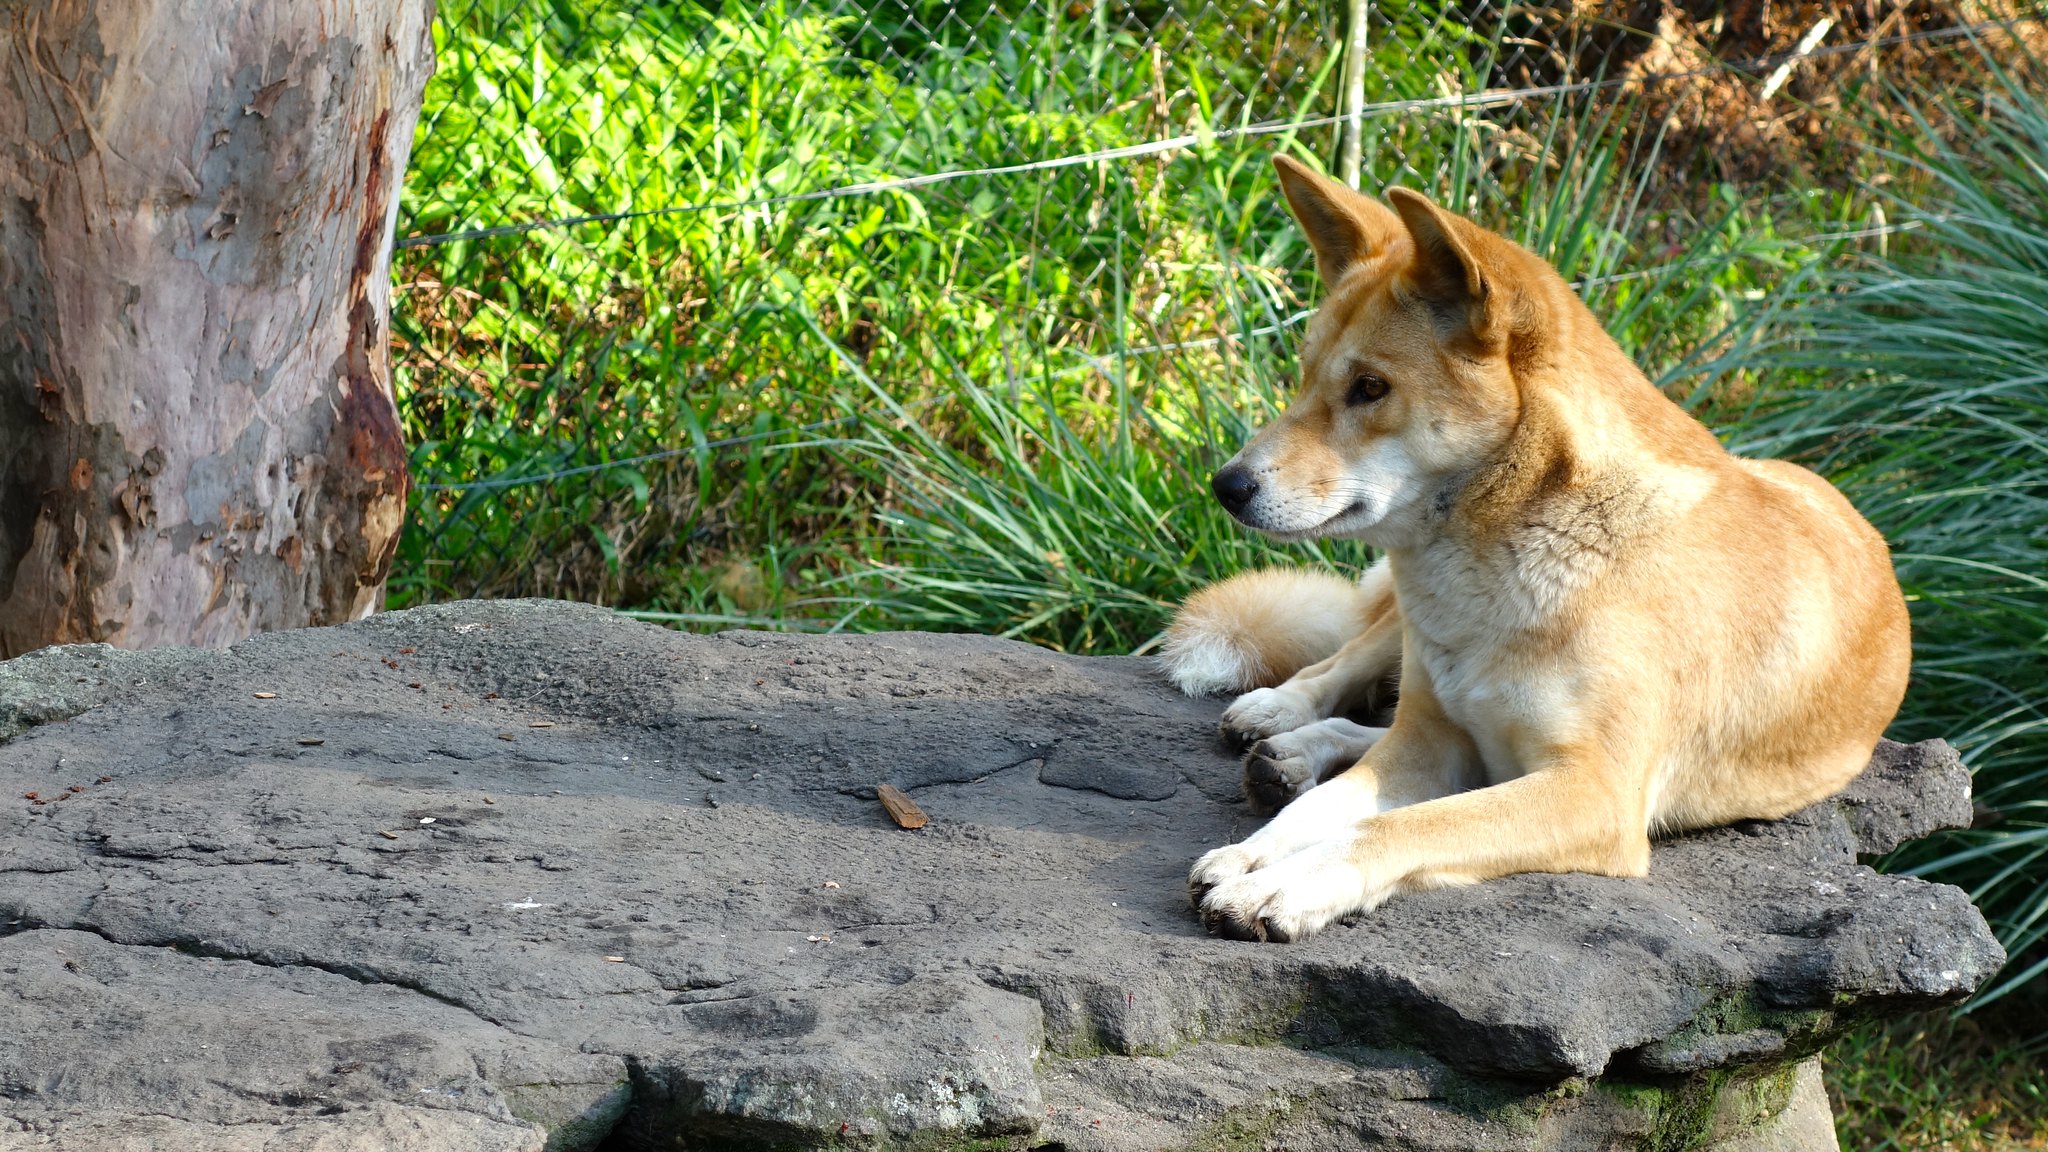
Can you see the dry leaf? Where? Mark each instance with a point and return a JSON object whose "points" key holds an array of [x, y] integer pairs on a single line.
{"points": [[542, 724], [388, 835], [311, 741], [266, 695]]}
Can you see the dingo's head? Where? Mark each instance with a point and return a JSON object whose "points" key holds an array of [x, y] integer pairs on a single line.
{"points": [[1408, 379]]}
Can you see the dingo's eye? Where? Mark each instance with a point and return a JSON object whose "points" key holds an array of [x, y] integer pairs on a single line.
{"points": [[1366, 388]]}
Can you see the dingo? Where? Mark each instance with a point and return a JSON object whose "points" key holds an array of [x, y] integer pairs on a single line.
{"points": [[1602, 625]]}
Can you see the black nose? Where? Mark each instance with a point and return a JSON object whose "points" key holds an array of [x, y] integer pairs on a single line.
{"points": [[1234, 487]]}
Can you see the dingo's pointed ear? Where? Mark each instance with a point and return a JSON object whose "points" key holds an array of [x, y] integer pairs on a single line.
{"points": [[1343, 226], [1447, 271]]}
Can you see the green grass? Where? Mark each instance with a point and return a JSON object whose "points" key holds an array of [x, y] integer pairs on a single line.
{"points": [[665, 333], [1941, 1083]]}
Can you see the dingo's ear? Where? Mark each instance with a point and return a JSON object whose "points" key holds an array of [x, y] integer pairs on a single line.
{"points": [[1447, 271], [1343, 226]]}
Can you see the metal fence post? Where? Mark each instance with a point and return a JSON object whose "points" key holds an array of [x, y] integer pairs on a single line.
{"points": [[1353, 96]]}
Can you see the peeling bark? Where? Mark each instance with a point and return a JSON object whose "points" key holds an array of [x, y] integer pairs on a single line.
{"points": [[197, 435]]}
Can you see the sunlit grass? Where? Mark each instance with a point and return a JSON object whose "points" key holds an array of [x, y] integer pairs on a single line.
{"points": [[1939, 1083]]}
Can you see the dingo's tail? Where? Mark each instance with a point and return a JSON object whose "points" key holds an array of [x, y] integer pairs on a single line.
{"points": [[1256, 629]]}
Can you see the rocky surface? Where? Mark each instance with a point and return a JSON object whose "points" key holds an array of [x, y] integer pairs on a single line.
{"points": [[524, 874]]}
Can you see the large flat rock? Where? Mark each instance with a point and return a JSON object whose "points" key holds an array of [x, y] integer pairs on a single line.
{"points": [[517, 873]]}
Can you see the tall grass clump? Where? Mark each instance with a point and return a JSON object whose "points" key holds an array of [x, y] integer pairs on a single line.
{"points": [[1926, 400], [611, 356]]}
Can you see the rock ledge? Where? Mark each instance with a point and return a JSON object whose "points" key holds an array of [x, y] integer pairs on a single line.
{"points": [[525, 874]]}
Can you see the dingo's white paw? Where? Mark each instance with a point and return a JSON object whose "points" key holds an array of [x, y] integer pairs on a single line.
{"points": [[1290, 899], [1266, 712], [1218, 866]]}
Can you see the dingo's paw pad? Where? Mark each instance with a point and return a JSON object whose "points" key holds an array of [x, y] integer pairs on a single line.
{"points": [[1274, 775]]}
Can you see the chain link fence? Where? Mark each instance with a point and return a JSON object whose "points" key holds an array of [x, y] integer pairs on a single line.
{"points": [[658, 258]]}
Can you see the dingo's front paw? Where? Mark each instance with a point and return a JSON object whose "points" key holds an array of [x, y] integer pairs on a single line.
{"points": [[1218, 866], [1280, 768], [1275, 772], [1288, 900], [1265, 712]]}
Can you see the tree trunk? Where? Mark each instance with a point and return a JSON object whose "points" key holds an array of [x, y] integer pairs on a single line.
{"points": [[197, 434]]}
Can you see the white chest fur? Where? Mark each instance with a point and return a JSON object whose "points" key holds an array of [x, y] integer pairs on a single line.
{"points": [[1475, 628]]}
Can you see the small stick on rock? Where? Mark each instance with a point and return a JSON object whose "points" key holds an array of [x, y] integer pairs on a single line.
{"points": [[902, 809]]}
